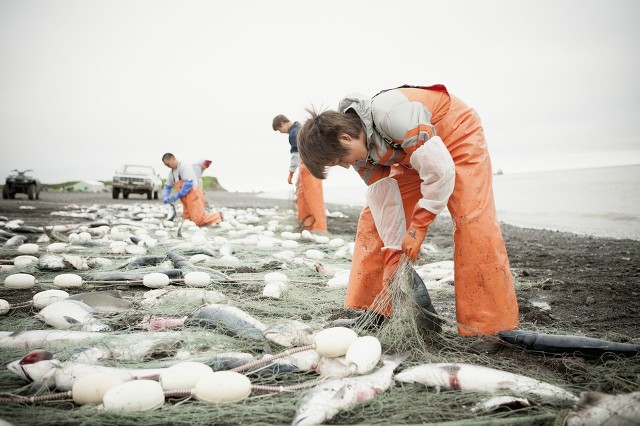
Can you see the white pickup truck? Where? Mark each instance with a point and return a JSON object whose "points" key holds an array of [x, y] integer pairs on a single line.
{"points": [[136, 179]]}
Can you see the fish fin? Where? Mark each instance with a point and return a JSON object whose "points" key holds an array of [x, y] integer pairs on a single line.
{"points": [[339, 395], [398, 358], [267, 348], [71, 320], [115, 293]]}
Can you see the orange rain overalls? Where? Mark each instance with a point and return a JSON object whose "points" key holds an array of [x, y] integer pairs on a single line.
{"points": [[193, 207], [485, 296], [311, 211]]}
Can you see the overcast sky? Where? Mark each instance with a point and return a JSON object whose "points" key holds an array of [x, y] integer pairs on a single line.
{"points": [[86, 86]]}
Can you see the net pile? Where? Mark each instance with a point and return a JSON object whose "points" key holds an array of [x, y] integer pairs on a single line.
{"points": [[244, 251]]}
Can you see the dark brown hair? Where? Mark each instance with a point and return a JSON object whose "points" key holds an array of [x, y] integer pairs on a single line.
{"points": [[278, 120], [318, 142]]}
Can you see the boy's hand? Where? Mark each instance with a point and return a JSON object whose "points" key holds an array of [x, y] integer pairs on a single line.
{"points": [[414, 237]]}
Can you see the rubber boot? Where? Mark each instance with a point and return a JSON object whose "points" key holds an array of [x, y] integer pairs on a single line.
{"points": [[425, 320], [312, 214]]}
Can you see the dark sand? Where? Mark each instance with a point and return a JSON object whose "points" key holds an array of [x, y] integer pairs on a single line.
{"points": [[592, 284]]}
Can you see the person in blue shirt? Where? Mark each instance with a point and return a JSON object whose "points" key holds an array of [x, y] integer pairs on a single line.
{"points": [[312, 214]]}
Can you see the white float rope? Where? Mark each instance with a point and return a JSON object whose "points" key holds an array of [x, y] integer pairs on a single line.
{"points": [[362, 355]]}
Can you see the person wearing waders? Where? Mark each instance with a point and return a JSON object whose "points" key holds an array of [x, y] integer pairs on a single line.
{"points": [[310, 199], [199, 169], [433, 145], [182, 178]]}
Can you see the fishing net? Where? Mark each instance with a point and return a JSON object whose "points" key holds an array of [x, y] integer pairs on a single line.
{"points": [[245, 252]]}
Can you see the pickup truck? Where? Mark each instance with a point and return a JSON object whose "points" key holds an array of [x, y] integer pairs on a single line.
{"points": [[136, 179]]}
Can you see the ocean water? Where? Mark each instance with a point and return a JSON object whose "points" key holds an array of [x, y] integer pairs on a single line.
{"points": [[603, 202]]}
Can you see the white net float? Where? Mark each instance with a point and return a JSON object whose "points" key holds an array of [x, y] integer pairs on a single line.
{"points": [[314, 254], [47, 297], [275, 277], [290, 244], [184, 375], [273, 289], [339, 281], [335, 341], [222, 387], [91, 389], [156, 280], [67, 280], [84, 237], [28, 248], [20, 281], [24, 259], [336, 242], [136, 395], [197, 279], [4, 306], [56, 247], [322, 239], [364, 354]]}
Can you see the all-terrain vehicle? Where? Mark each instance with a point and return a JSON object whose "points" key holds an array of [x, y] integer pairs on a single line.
{"points": [[19, 182], [136, 179]]}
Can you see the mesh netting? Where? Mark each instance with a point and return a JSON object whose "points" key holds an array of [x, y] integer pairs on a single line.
{"points": [[239, 256]]}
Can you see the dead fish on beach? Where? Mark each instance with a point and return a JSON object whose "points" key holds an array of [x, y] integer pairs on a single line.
{"points": [[95, 345], [477, 378], [122, 348], [45, 372], [31, 339], [563, 344], [54, 262], [187, 298], [289, 333], [4, 235], [51, 262], [156, 323], [324, 401], [15, 241], [26, 229], [501, 401], [597, 408], [229, 319], [104, 302], [141, 261], [133, 275], [65, 314], [183, 264]]}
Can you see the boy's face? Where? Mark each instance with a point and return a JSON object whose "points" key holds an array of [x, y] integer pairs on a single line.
{"points": [[172, 163], [284, 128], [356, 150]]}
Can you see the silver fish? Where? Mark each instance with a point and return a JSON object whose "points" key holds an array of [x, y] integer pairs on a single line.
{"points": [[31, 339], [310, 360], [15, 241], [477, 378], [40, 368], [51, 262], [104, 302], [65, 314], [289, 333], [324, 401], [76, 262], [596, 408], [133, 275], [230, 319]]}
